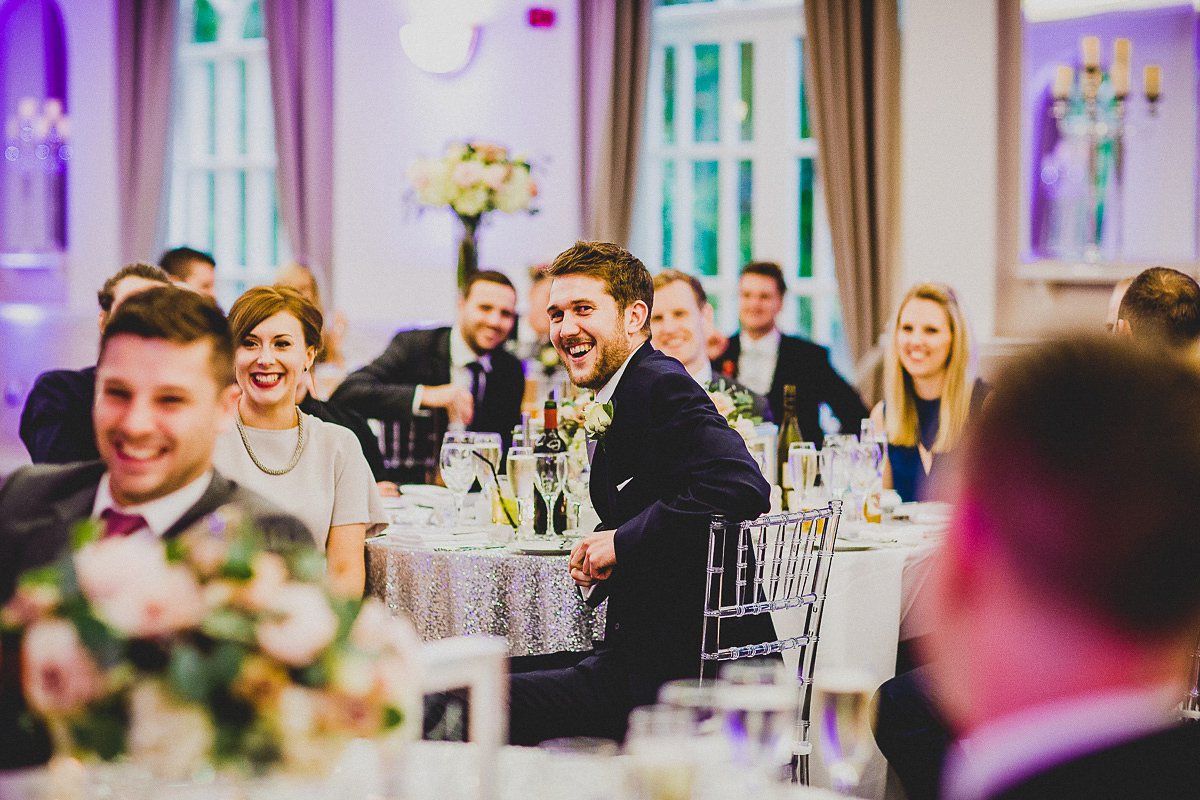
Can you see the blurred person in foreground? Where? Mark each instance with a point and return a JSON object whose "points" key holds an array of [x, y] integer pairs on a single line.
{"points": [[662, 466], [164, 390], [56, 423], [1066, 595], [311, 468], [930, 388], [427, 381], [191, 268], [679, 327], [1163, 304]]}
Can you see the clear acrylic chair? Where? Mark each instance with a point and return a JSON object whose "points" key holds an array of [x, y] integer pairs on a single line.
{"points": [[773, 563], [1190, 708]]}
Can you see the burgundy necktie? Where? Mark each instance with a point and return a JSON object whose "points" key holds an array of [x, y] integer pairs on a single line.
{"points": [[118, 524]]}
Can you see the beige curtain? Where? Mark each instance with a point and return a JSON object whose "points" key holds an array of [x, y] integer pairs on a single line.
{"points": [[614, 56], [852, 62]]}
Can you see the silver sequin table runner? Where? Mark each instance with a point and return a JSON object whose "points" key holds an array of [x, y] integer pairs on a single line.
{"points": [[530, 600]]}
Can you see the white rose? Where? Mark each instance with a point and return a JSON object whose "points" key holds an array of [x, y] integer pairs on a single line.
{"points": [[455, 151], [745, 427], [723, 402], [418, 172], [495, 175], [597, 420], [516, 192], [305, 627], [467, 173], [471, 202], [135, 590]]}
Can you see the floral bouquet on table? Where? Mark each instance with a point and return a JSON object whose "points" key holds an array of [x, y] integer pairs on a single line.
{"points": [[206, 650], [473, 178], [581, 418], [734, 405]]}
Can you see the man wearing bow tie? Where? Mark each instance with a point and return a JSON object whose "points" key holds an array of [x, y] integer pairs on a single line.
{"points": [[429, 380], [665, 463]]}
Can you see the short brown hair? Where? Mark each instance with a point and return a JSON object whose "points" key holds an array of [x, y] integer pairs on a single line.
{"points": [[668, 276], [181, 261], [177, 315], [1085, 468], [262, 302], [486, 276], [625, 277], [767, 269], [107, 292], [1163, 303]]}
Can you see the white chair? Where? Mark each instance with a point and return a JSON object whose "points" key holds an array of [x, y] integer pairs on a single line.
{"points": [[765, 565]]}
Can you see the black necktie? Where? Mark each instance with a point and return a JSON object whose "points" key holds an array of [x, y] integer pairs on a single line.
{"points": [[476, 383]]}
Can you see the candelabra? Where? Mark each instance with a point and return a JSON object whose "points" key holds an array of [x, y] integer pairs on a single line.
{"points": [[1091, 117], [36, 153]]}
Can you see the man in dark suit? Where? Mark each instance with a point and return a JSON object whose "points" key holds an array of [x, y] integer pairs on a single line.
{"points": [[56, 423], [661, 468], [1067, 591], [428, 380], [165, 389], [765, 359], [679, 326]]}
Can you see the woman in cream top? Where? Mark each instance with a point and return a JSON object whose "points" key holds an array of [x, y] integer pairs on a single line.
{"points": [[308, 467]]}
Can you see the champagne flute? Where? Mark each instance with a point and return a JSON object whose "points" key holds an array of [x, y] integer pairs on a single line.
{"points": [[488, 446], [550, 473], [802, 461], [578, 484], [521, 475], [843, 721], [457, 463], [835, 470], [760, 702], [865, 461], [662, 749]]}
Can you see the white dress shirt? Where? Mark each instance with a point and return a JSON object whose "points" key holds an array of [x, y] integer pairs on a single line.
{"points": [[703, 375], [1018, 746], [756, 361], [461, 354], [161, 513]]}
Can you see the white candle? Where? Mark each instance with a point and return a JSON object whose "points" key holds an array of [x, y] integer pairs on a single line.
{"points": [[1091, 52], [1064, 76], [1121, 50], [1120, 80], [1152, 76]]}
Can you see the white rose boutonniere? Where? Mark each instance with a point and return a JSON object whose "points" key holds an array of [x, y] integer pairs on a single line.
{"points": [[597, 418]]}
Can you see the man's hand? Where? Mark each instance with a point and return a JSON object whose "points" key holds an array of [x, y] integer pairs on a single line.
{"points": [[593, 558], [455, 399]]}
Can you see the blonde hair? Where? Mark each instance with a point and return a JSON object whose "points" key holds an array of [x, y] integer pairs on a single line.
{"points": [[300, 278], [900, 407]]}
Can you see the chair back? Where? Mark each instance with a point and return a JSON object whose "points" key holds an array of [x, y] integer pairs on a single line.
{"points": [[773, 563]]}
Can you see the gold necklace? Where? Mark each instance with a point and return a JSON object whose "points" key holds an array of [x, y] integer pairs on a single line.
{"points": [[295, 456]]}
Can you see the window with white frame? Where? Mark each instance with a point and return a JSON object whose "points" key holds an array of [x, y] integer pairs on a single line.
{"points": [[728, 171], [223, 196]]}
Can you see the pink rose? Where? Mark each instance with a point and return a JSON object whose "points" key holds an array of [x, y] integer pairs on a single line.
{"points": [[135, 590], [270, 574], [418, 173], [29, 603], [495, 175], [303, 627], [376, 629], [489, 152], [468, 173], [57, 671], [105, 567]]}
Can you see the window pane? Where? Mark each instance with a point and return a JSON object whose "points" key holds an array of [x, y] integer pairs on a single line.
{"points": [[747, 105], [204, 22], [211, 234], [708, 80], [241, 105], [745, 218], [704, 245], [211, 69], [243, 217], [805, 213], [805, 129], [804, 317], [253, 29], [668, 213], [669, 95]]}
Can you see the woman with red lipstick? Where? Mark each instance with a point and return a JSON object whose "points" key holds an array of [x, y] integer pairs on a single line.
{"points": [[930, 389], [311, 468]]}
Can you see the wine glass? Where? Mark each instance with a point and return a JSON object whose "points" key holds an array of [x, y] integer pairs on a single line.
{"points": [[521, 472], [488, 447], [760, 703], [578, 484], [865, 461], [835, 469], [457, 463], [802, 461], [550, 473], [843, 722]]}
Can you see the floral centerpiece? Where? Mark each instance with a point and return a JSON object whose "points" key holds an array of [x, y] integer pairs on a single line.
{"points": [[581, 418], [472, 179], [734, 405], [205, 650]]}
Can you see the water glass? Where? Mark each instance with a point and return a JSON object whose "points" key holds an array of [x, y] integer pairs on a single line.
{"points": [[842, 703], [663, 756], [457, 464], [866, 464], [835, 469], [489, 447], [550, 473], [521, 474], [577, 485], [803, 463], [760, 703]]}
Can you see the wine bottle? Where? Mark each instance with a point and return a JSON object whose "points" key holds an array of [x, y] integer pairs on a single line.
{"points": [[551, 441], [789, 431]]}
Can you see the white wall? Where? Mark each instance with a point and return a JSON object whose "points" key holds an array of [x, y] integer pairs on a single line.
{"points": [[949, 140], [393, 266]]}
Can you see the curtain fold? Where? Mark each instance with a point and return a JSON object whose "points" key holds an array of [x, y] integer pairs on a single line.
{"points": [[614, 48], [852, 56], [300, 51], [146, 41]]}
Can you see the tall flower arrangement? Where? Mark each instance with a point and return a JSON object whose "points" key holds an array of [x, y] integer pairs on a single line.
{"points": [[206, 649], [472, 179]]}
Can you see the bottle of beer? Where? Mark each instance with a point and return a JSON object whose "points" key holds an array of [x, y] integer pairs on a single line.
{"points": [[789, 431], [551, 441]]}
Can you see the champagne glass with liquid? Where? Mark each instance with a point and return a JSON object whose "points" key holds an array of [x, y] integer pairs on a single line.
{"points": [[521, 476], [842, 700], [802, 461]]}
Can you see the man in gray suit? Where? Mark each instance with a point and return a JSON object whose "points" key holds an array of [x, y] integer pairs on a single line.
{"points": [[164, 390]]}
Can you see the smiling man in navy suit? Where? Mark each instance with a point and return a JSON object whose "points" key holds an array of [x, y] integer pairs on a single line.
{"points": [[664, 465]]}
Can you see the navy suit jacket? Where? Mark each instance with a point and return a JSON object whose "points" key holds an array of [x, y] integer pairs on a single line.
{"points": [[56, 423], [806, 366], [666, 463], [38, 506], [384, 390]]}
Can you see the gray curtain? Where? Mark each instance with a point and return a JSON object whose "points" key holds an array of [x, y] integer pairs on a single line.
{"points": [[300, 49], [614, 56], [852, 58], [146, 39]]}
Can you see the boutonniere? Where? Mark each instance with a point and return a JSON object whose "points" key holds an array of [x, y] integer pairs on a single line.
{"points": [[596, 419]]}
